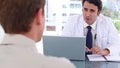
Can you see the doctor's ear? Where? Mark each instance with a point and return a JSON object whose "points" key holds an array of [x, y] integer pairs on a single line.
{"points": [[98, 13]]}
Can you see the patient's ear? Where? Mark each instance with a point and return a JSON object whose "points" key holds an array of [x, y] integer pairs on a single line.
{"points": [[39, 16]]}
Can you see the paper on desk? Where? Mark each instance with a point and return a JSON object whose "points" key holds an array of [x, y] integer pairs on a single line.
{"points": [[96, 57], [112, 58]]}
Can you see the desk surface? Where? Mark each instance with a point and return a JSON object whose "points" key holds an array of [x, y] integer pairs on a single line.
{"points": [[96, 64]]}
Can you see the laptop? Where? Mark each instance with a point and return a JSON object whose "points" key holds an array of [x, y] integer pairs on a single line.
{"points": [[72, 48]]}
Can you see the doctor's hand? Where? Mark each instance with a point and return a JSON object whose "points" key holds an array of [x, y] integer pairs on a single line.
{"points": [[100, 51], [87, 49]]}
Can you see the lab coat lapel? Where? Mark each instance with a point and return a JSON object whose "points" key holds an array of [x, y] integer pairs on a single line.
{"points": [[98, 32], [80, 26]]}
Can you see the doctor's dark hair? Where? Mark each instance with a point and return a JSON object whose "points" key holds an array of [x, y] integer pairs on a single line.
{"points": [[16, 16], [97, 3]]}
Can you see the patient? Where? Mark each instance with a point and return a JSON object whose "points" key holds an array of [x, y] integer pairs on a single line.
{"points": [[23, 23]]}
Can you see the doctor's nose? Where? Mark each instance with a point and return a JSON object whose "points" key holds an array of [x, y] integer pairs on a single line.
{"points": [[88, 14]]}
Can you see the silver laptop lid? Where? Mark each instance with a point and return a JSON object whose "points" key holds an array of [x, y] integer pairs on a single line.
{"points": [[72, 48]]}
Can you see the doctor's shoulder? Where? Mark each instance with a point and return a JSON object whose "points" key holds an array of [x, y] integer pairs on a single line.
{"points": [[74, 19], [104, 19]]}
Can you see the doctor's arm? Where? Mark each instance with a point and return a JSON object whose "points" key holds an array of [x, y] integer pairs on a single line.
{"points": [[112, 42]]}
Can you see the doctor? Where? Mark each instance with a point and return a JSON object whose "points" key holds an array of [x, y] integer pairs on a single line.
{"points": [[105, 39]]}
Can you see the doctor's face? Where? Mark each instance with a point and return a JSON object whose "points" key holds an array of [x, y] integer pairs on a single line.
{"points": [[90, 12]]}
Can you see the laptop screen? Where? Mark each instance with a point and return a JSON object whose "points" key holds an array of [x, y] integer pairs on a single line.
{"points": [[72, 48]]}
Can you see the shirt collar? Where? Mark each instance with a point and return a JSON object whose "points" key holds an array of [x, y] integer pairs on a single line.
{"points": [[93, 25], [18, 39]]}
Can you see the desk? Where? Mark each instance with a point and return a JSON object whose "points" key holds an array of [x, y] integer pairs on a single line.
{"points": [[96, 64]]}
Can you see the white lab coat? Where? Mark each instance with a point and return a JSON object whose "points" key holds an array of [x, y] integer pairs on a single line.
{"points": [[107, 36]]}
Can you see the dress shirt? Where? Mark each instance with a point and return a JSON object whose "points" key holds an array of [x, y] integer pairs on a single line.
{"points": [[19, 51]]}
